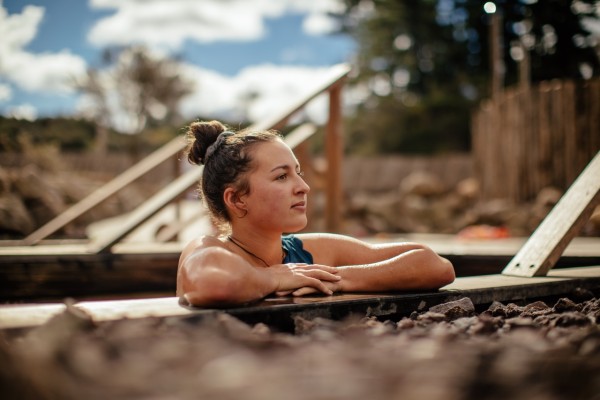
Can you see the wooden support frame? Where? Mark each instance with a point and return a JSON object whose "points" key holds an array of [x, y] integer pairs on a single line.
{"points": [[121, 181], [334, 148], [334, 78], [293, 139], [545, 246], [281, 311], [172, 191]]}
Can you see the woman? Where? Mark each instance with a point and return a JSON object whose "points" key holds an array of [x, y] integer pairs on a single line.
{"points": [[253, 187]]}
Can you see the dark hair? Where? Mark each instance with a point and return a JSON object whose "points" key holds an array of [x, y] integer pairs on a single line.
{"points": [[226, 163]]}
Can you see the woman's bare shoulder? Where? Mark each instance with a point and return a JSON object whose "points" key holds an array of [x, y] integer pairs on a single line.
{"points": [[202, 242], [205, 241]]}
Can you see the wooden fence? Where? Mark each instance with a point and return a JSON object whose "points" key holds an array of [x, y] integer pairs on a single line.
{"points": [[526, 139]]}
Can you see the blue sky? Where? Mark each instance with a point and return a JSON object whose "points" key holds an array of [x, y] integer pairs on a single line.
{"points": [[225, 46]]}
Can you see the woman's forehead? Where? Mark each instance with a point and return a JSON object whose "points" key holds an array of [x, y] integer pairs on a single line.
{"points": [[274, 153]]}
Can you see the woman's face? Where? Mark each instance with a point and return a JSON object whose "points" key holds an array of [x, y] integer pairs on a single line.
{"points": [[277, 199]]}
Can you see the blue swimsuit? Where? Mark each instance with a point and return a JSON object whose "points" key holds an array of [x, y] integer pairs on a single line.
{"points": [[295, 253]]}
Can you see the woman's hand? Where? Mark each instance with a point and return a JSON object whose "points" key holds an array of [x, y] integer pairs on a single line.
{"points": [[304, 278], [303, 291]]}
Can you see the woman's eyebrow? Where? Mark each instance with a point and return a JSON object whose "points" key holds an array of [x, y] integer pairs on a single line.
{"points": [[285, 167]]}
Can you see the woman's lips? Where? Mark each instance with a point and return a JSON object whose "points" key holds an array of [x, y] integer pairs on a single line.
{"points": [[301, 205]]}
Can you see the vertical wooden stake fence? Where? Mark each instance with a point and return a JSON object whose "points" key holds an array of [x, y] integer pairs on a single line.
{"points": [[529, 138]]}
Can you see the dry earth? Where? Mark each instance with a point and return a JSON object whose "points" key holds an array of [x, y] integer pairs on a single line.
{"points": [[451, 351]]}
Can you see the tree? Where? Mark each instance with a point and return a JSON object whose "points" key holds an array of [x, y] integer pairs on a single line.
{"points": [[133, 90], [424, 65]]}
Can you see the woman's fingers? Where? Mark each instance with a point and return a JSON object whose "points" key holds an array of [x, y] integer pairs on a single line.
{"points": [[321, 272], [292, 277], [319, 285], [304, 291], [322, 275], [312, 267]]}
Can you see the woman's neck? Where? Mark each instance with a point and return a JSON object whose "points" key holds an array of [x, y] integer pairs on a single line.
{"points": [[264, 247]]}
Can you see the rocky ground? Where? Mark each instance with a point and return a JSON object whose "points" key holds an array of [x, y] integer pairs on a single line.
{"points": [[423, 203], [451, 351], [31, 196]]}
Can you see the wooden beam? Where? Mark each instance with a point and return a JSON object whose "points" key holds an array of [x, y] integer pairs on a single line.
{"points": [[149, 208], [545, 246], [172, 191], [336, 74], [169, 150], [334, 149], [280, 311], [138, 170], [293, 139], [496, 59]]}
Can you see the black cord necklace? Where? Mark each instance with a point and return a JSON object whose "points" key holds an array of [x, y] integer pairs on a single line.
{"points": [[238, 244]]}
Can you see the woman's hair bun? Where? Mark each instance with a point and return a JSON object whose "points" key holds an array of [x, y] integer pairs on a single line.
{"points": [[200, 135]]}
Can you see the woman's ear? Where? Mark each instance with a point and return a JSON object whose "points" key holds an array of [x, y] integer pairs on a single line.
{"points": [[233, 202]]}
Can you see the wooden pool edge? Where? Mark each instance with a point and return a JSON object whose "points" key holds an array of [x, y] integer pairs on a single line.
{"points": [[281, 312]]}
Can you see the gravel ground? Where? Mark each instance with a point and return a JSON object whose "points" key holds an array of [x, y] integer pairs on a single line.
{"points": [[451, 351]]}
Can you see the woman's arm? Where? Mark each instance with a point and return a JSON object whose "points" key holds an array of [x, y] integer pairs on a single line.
{"points": [[211, 275], [379, 267]]}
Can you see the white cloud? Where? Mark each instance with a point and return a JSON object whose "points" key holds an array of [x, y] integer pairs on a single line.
{"points": [[45, 72], [5, 92], [168, 23], [23, 111], [256, 93], [320, 24]]}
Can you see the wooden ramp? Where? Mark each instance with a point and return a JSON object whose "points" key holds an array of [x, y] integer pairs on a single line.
{"points": [[561, 225], [280, 312]]}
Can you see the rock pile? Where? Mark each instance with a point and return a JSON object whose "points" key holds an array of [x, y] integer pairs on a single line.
{"points": [[422, 203], [30, 196], [449, 352]]}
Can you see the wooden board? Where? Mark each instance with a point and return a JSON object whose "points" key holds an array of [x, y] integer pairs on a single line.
{"points": [[53, 272], [149, 208], [549, 240], [336, 74], [146, 165], [481, 290], [172, 191]]}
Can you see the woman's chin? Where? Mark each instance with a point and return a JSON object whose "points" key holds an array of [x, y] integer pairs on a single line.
{"points": [[297, 227]]}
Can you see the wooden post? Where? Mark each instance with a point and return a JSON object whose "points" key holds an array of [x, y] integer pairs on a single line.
{"points": [[496, 60], [524, 68], [334, 148], [178, 204]]}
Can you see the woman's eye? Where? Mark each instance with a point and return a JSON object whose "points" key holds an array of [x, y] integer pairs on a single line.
{"points": [[300, 173], [282, 177]]}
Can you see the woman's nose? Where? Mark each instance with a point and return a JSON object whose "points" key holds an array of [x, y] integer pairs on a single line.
{"points": [[302, 185]]}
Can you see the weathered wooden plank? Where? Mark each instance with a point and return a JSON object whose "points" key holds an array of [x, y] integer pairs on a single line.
{"points": [[149, 208], [169, 193], [55, 272], [547, 243], [187, 180], [293, 139], [334, 148], [481, 290], [336, 74], [138, 170]]}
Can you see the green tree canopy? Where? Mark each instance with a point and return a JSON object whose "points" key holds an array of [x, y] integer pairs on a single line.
{"points": [[423, 65]]}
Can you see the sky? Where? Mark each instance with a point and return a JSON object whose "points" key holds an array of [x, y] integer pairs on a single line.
{"points": [[227, 47]]}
